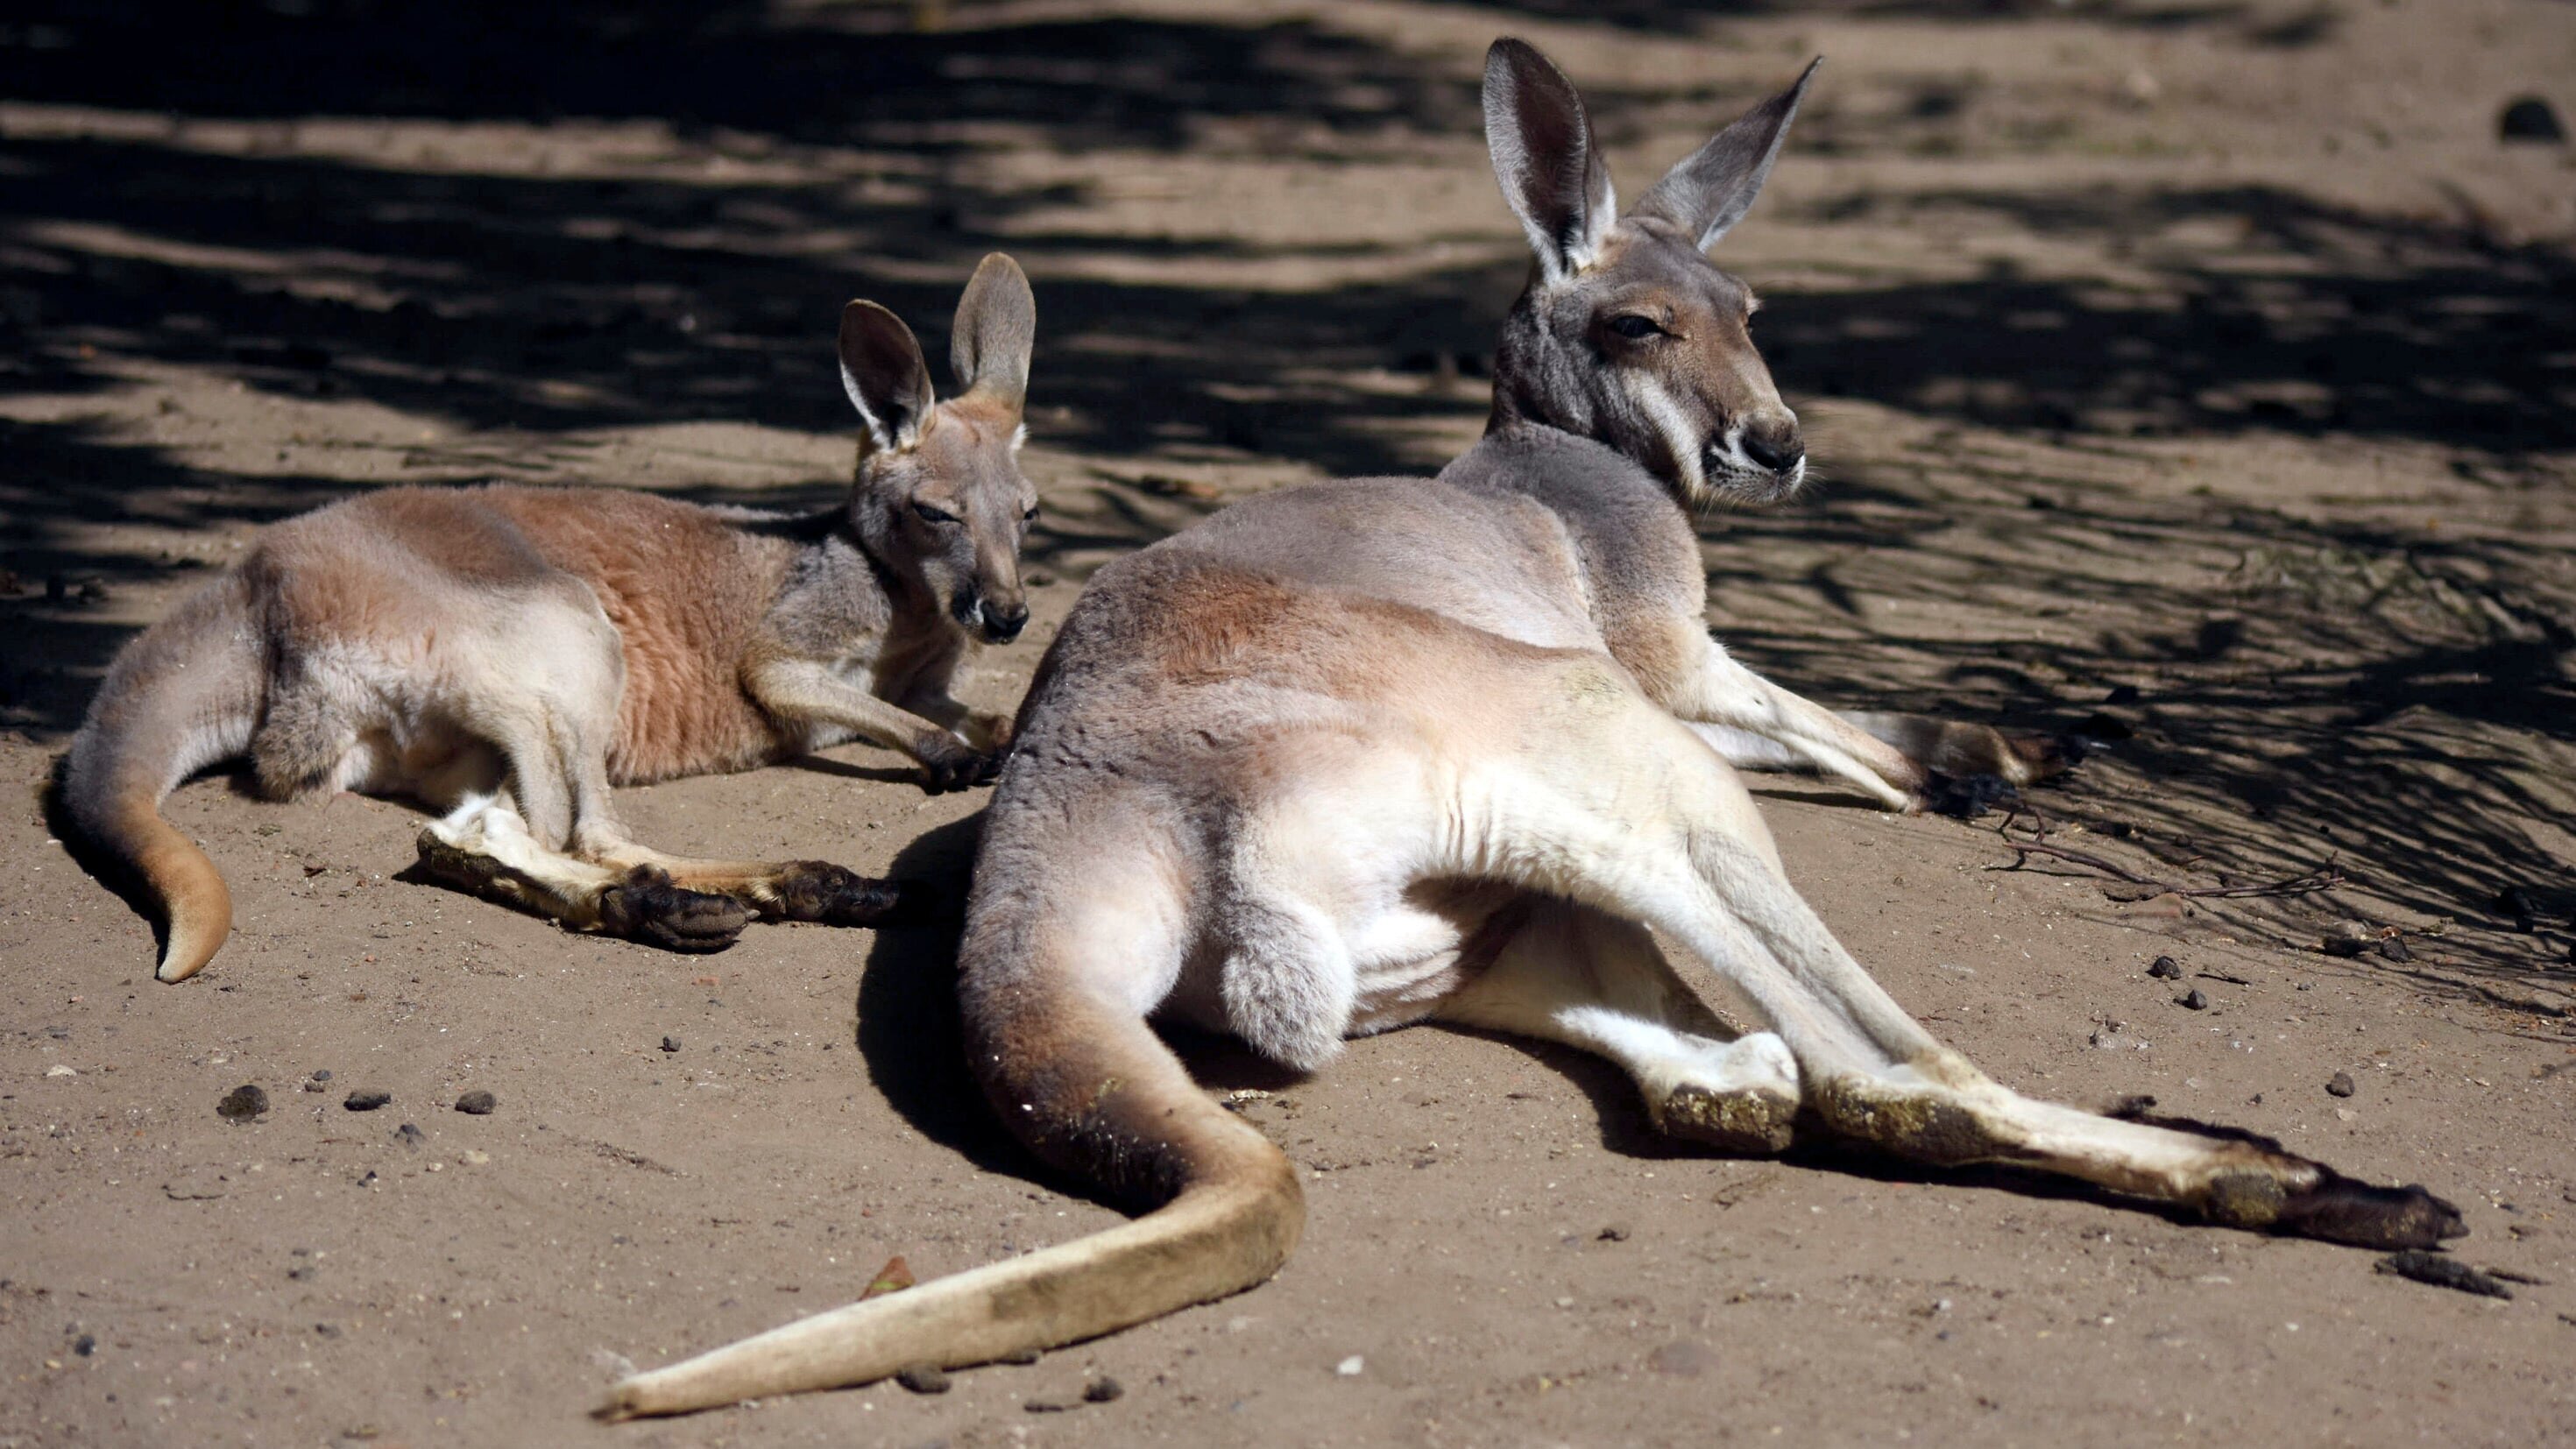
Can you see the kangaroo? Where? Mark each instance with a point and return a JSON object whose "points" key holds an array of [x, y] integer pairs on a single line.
{"points": [[503, 654], [1382, 751]]}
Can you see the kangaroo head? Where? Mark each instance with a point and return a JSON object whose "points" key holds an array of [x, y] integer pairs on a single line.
{"points": [[939, 497], [1627, 333]]}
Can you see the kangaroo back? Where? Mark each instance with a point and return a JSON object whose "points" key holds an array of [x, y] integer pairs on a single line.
{"points": [[183, 696]]}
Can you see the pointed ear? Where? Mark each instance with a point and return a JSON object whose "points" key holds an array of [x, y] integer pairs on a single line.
{"points": [[882, 368], [997, 323], [1543, 153], [1713, 188]]}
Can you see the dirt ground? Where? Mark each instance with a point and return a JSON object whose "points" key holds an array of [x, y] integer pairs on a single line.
{"points": [[2206, 367]]}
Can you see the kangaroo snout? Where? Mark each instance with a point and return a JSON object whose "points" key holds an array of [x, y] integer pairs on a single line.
{"points": [[1002, 622], [1775, 444]]}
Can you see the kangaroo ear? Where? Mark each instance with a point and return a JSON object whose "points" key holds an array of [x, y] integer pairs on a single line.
{"points": [[1541, 144], [1715, 185], [881, 366], [997, 323]]}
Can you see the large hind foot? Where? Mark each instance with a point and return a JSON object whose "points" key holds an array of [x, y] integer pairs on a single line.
{"points": [[2291, 1195], [1748, 1122], [827, 894], [647, 907]]}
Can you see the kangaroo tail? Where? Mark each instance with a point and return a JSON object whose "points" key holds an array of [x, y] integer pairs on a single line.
{"points": [[179, 698], [1090, 1088]]}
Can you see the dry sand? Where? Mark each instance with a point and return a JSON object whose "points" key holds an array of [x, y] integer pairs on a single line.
{"points": [[2217, 352]]}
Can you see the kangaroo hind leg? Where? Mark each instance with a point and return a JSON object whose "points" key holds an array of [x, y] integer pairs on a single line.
{"points": [[1667, 838], [1578, 976]]}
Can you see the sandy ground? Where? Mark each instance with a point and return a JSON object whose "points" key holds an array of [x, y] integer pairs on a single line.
{"points": [[2202, 366]]}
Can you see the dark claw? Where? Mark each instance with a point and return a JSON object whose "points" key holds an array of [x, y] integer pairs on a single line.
{"points": [[962, 769], [1965, 797], [2340, 1210], [646, 907]]}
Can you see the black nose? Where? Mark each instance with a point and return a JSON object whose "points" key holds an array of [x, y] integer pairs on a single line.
{"points": [[1003, 624], [1778, 451]]}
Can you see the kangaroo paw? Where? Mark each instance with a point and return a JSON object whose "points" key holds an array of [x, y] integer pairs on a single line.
{"points": [[814, 890], [1965, 797], [646, 907]]}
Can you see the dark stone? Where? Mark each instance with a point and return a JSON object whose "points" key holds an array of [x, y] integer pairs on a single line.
{"points": [[85, 1345], [1614, 1233], [476, 1104], [2342, 946], [2193, 1000], [410, 1135], [923, 1378], [670, 1043], [2393, 948], [1102, 1390], [2165, 968], [2100, 727], [2121, 694], [321, 1074], [242, 1104], [2529, 118], [2340, 1085], [2512, 904], [366, 1099]]}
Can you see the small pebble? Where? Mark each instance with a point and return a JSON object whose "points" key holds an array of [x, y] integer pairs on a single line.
{"points": [[320, 1074], [2165, 968], [366, 1099], [2529, 118], [242, 1104], [923, 1378], [2393, 948], [2193, 1000], [1102, 1390], [2340, 1085], [410, 1136], [1352, 1367], [670, 1043], [1682, 1359], [476, 1104], [1614, 1233], [85, 1345]]}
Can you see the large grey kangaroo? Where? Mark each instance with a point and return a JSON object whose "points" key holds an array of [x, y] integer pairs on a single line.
{"points": [[503, 654], [1386, 750]]}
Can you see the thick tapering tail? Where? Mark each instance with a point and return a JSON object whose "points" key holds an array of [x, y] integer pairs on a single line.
{"points": [[1093, 1090], [181, 697]]}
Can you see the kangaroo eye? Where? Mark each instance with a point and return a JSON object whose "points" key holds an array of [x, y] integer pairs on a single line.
{"points": [[1032, 515], [1633, 327], [928, 514]]}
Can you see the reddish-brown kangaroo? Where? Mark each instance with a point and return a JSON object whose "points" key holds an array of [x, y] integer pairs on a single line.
{"points": [[1390, 750], [504, 654]]}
